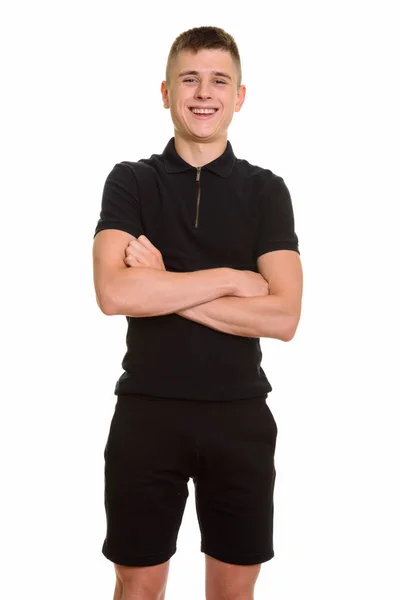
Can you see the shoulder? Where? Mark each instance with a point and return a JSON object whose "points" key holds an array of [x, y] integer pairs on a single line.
{"points": [[130, 172], [268, 188], [259, 176], [142, 166], [130, 166]]}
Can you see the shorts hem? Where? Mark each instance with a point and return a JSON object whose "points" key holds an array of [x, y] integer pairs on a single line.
{"points": [[139, 561], [248, 559]]}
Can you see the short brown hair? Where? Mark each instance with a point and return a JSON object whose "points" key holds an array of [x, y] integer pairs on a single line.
{"points": [[206, 38]]}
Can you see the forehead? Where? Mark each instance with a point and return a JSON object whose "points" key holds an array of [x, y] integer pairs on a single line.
{"points": [[204, 61]]}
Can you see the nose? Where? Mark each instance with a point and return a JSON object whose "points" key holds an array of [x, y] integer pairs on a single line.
{"points": [[202, 90]]}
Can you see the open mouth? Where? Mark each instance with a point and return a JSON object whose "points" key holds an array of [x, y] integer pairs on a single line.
{"points": [[203, 114]]}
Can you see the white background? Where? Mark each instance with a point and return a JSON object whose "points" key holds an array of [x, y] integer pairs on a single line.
{"points": [[81, 92]]}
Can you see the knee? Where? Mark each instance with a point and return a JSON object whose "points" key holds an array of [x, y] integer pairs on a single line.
{"points": [[229, 594], [149, 582], [229, 588]]}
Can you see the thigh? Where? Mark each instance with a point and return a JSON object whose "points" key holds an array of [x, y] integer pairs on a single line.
{"points": [[235, 482], [146, 475]]}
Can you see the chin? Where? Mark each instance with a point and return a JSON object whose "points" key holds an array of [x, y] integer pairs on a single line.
{"points": [[205, 136]]}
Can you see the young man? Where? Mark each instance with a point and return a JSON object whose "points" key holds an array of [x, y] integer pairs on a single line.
{"points": [[198, 250]]}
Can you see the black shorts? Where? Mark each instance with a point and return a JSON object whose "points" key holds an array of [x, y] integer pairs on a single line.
{"points": [[155, 445]]}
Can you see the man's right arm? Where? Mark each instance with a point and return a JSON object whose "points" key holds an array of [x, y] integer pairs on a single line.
{"points": [[145, 292]]}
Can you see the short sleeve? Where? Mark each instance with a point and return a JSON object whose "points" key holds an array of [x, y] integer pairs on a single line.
{"points": [[120, 206], [276, 226]]}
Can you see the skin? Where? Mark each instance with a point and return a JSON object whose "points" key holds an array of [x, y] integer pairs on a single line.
{"points": [[198, 142], [140, 252]]}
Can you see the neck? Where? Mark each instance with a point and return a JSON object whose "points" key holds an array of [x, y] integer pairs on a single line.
{"points": [[198, 154]]}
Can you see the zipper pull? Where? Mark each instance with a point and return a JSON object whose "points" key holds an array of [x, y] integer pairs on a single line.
{"points": [[198, 196]]}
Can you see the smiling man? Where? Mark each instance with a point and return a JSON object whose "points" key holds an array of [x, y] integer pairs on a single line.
{"points": [[197, 248]]}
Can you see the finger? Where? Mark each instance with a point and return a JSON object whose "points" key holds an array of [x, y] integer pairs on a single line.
{"points": [[132, 240], [135, 248], [147, 243], [131, 261]]}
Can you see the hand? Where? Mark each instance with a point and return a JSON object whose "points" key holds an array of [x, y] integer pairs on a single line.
{"points": [[140, 252], [251, 284]]}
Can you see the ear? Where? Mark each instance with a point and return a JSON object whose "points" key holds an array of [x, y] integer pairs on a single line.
{"points": [[164, 94], [240, 98]]}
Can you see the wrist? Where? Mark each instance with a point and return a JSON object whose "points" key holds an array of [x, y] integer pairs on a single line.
{"points": [[231, 281]]}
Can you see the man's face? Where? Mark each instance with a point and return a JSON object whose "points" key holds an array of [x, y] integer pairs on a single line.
{"points": [[203, 89]]}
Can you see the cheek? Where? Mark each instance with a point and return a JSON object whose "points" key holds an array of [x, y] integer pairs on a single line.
{"points": [[183, 111], [178, 105]]}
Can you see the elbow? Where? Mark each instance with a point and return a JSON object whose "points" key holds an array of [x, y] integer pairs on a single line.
{"points": [[287, 337], [106, 306], [107, 302], [111, 305], [108, 310], [289, 331]]}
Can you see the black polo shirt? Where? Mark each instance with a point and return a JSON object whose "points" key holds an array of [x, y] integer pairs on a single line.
{"points": [[224, 214]]}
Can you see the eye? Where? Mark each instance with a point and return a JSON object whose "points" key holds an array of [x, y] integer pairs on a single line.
{"points": [[188, 79]]}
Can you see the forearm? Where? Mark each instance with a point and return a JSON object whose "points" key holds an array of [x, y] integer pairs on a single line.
{"points": [[145, 292], [257, 316]]}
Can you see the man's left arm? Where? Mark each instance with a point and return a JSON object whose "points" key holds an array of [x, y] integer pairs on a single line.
{"points": [[274, 316]]}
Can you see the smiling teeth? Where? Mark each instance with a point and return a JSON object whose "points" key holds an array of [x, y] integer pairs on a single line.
{"points": [[204, 111]]}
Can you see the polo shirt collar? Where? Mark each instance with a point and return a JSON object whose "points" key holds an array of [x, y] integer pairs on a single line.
{"points": [[222, 165]]}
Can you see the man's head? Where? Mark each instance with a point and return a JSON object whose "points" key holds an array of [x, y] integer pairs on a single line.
{"points": [[203, 71]]}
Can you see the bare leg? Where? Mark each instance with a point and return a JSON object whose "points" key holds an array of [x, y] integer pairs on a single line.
{"points": [[118, 590], [144, 583], [224, 580]]}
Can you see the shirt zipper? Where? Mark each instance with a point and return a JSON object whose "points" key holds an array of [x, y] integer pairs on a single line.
{"points": [[198, 195]]}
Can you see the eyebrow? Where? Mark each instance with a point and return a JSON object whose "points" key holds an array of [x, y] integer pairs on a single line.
{"points": [[218, 73]]}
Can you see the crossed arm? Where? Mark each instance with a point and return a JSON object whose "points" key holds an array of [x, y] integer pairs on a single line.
{"points": [[275, 315]]}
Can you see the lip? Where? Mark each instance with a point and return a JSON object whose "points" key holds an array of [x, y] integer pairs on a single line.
{"points": [[203, 117]]}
